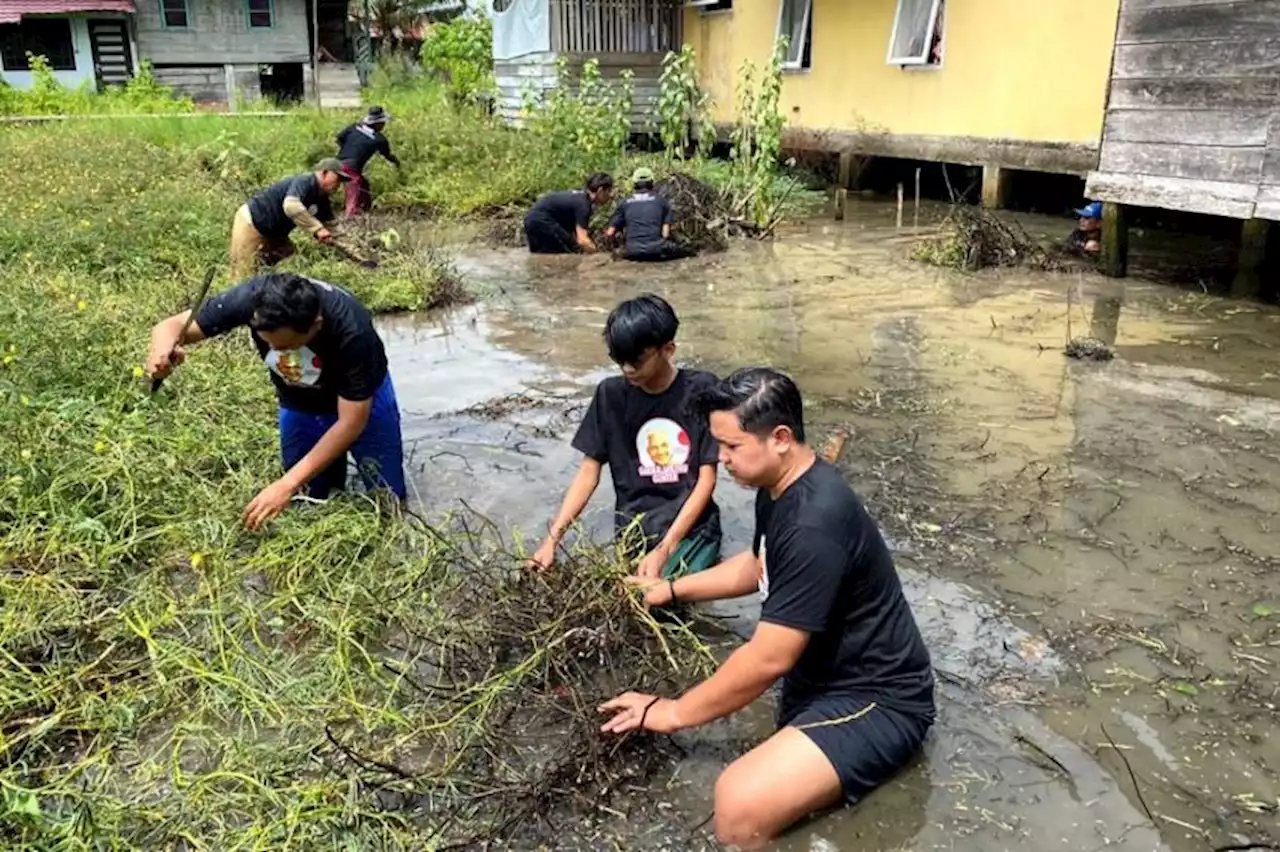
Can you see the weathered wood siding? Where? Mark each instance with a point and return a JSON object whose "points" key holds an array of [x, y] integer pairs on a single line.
{"points": [[1193, 119], [538, 70], [218, 33]]}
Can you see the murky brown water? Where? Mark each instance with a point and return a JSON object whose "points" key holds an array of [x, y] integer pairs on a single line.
{"points": [[1091, 548]]}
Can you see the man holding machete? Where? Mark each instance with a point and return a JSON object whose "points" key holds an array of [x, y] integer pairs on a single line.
{"points": [[261, 228], [332, 383]]}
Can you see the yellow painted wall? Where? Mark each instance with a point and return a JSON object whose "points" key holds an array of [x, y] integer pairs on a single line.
{"points": [[1033, 70]]}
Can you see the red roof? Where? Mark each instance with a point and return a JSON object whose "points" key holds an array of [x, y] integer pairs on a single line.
{"points": [[11, 11]]}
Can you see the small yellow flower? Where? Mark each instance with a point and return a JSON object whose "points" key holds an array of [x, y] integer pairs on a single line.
{"points": [[26, 455], [138, 372], [99, 446], [24, 399], [81, 305], [197, 559]]}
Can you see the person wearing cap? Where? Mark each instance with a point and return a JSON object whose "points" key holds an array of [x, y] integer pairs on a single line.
{"points": [[357, 143], [1086, 240], [646, 220], [558, 222], [261, 228]]}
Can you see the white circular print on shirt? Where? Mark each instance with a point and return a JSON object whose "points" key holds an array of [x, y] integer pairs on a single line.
{"points": [[663, 447]]}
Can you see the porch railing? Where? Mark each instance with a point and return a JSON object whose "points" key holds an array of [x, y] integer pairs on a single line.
{"points": [[615, 26]]}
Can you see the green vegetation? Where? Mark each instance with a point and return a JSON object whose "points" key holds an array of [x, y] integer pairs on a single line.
{"points": [[460, 53], [142, 95]]}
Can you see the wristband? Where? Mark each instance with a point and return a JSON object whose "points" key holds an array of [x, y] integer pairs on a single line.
{"points": [[645, 712], [671, 585]]}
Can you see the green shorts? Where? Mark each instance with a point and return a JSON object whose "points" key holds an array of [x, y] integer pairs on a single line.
{"points": [[696, 553]]}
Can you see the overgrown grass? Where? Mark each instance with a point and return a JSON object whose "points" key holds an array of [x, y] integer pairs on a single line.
{"points": [[346, 679]]}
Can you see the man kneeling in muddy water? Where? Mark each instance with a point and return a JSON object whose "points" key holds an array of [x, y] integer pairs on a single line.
{"points": [[857, 684], [330, 372], [558, 222], [662, 460], [645, 219]]}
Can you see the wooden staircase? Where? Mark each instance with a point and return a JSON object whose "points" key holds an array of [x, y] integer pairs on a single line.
{"points": [[339, 85]]}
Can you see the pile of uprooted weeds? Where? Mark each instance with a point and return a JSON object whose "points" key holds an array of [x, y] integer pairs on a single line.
{"points": [[359, 681]]}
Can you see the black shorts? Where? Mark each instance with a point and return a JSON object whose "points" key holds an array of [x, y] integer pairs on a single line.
{"points": [[866, 742], [666, 250], [545, 236]]}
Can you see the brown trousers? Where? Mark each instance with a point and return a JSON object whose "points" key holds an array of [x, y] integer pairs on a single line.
{"points": [[250, 250]]}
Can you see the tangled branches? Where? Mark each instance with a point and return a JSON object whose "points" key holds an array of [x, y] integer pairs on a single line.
{"points": [[374, 683], [971, 238]]}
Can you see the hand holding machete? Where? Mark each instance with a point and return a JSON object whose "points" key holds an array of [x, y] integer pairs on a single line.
{"points": [[209, 275]]}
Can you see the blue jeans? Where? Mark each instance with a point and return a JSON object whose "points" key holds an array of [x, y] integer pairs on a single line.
{"points": [[378, 452]]}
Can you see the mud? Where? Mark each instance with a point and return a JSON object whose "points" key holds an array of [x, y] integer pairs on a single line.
{"points": [[1090, 546]]}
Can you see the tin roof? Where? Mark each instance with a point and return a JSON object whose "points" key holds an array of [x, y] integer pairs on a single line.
{"points": [[12, 11]]}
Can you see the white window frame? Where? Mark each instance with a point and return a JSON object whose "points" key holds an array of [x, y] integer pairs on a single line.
{"points": [[923, 59], [805, 33]]}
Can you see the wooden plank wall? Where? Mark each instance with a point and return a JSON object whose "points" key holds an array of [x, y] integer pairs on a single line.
{"points": [[539, 71], [1192, 117]]}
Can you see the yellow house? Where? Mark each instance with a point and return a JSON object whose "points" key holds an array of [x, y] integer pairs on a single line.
{"points": [[1002, 84]]}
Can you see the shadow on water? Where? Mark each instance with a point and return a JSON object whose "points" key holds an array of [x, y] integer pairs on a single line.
{"points": [[1090, 548]]}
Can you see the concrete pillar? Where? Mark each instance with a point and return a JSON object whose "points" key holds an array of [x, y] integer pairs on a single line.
{"points": [[1104, 323], [1115, 240], [1254, 235], [995, 187], [229, 75]]}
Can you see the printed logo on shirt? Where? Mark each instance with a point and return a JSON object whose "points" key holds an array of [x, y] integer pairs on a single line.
{"points": [[762, 584], [663, 447], [295, 366]]}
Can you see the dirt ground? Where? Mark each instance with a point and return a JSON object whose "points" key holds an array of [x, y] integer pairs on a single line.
{"points": [[1090, 547]]}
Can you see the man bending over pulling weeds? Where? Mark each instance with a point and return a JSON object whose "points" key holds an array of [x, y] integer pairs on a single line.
{"points": [[330, 372], [857, 684], [662, 459], [261, 228], [558, 222]]}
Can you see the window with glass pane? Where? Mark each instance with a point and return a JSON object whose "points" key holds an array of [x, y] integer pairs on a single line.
{"points": [[47, 37], [916, 32], [260, 13], [793, 22], [173, 13]]}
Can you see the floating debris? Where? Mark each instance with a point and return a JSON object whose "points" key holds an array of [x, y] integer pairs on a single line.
{"points": [[1089, 349]]}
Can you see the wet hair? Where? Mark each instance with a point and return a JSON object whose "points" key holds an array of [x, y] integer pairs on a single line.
{"points": [[644, 186], [639, 324], [285, 300], [599, 181], [763, 399]]}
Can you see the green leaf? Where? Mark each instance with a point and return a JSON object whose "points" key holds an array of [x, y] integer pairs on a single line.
{"points": [[1262, 610], [1186, 689], [23, 802]]}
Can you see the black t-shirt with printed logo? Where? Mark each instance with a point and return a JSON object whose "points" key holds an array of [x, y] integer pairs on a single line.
{"points": [[827, 571], [642, 216], [654, 446], [345, 359]]}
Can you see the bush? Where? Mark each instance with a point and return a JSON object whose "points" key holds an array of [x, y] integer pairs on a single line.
{"points": [[460, 54], [141, 95]]}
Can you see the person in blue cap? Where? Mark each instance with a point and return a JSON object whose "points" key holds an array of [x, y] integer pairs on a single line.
{"points": [[1086, 240]]}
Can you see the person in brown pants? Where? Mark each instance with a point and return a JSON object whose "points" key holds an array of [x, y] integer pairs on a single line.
{"points": [[261, 228]]}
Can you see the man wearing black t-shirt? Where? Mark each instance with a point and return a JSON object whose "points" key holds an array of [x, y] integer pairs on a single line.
{"points": [[662, 459], [645, 219], [261, 228], [357, 143], [330, 373], [857, 684], [558, 222]]}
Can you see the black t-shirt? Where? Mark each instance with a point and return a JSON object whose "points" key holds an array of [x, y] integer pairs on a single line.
{"points": [[569, 209], [266, 208], [358, 143], [642, 216], [654, 446], [345, 358], [827, 571], [1077, 239]]}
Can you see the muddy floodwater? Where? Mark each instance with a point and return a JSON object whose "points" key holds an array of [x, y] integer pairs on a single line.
{"points": [[1091, 548]]}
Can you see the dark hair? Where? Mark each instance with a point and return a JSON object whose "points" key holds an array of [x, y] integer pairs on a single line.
{"points": [[285, 300], [644, 186], [598, 181], [763, 399], [637, 325]]}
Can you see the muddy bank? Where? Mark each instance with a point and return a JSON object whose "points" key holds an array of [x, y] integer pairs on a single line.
{"points": [[1089, 546]]}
